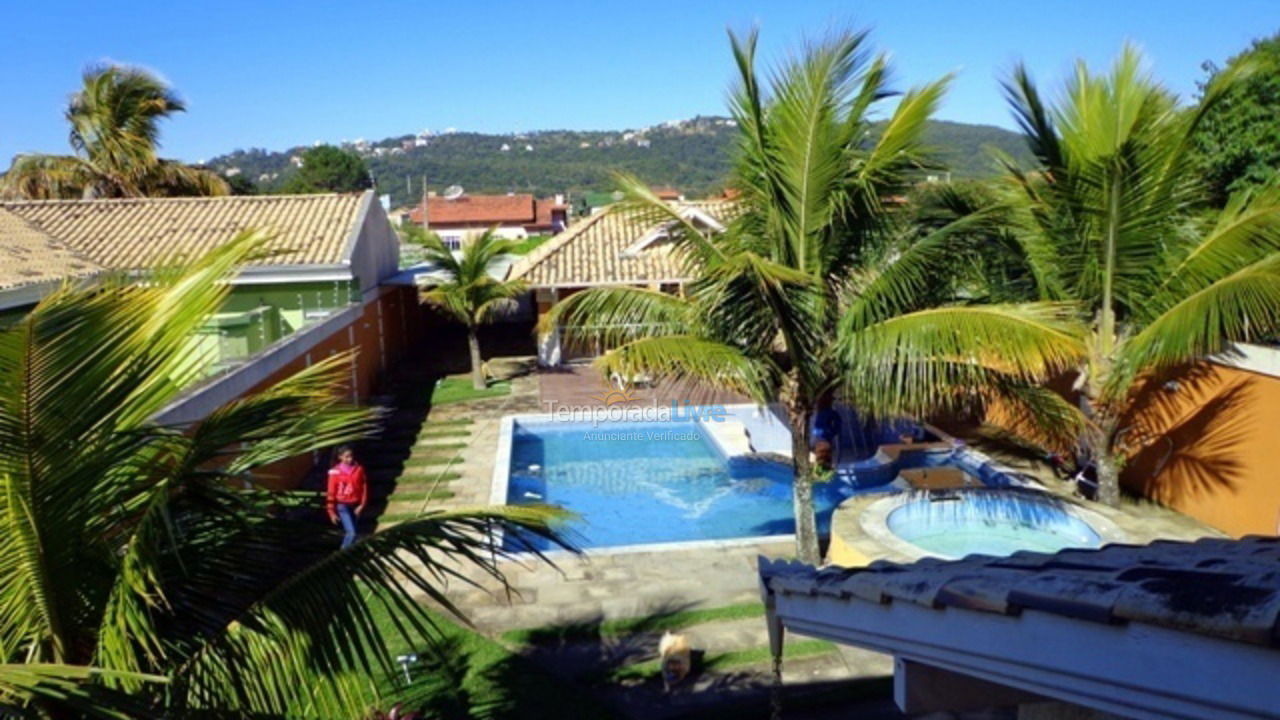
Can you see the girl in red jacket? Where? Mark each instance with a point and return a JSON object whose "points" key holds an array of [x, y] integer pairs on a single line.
{"points": [[348, 492]]}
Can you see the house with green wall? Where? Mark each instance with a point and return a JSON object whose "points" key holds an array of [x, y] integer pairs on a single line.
{"points": [[326, 254]]}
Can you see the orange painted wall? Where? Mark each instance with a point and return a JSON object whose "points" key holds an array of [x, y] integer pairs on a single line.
{"points": [[1210, 447], [381, 336]]}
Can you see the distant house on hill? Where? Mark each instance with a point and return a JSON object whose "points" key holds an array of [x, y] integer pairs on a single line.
{"points": [[668, 193], [514, 216], [610, 248]]}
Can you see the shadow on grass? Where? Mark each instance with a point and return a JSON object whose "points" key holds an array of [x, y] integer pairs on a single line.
{"points": [[616, 661], [462, 677]]}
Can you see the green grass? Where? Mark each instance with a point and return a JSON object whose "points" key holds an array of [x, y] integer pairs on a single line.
{"points": [[528, 244], [724, 661], [426, 480], [631, 626], [450, 423], [445, 433], [419, 462], [469, 675], [458, 389], [421, 450], [419, 495]]}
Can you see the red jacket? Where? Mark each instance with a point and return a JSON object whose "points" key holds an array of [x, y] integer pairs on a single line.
{"points": [[347, 485]]}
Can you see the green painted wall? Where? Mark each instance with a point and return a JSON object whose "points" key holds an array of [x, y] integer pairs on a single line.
{"points": [[253, 317]]}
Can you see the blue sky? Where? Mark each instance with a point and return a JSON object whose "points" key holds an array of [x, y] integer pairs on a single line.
{"points": [[276, 74]]}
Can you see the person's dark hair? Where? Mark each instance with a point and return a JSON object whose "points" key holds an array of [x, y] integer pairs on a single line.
{"points": [[337, 453]]}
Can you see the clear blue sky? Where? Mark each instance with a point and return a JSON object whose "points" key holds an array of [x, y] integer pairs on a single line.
{"points": [[277, 74]]}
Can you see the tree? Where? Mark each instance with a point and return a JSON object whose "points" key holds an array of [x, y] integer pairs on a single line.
{"points": [[816, 288], [115, 129], [241, 185], [1236, 145], [1107, 220], [329, 169], [469, 293], [143, 569]]}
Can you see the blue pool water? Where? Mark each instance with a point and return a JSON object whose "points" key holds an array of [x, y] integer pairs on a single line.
{"points": [[990, 523], [635, 483]]}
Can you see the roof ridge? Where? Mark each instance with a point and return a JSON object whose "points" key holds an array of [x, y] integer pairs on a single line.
{"points": [[531, 260], [179, 199]]}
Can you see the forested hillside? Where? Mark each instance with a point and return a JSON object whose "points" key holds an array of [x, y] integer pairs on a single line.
{"points": [[693, 155]]}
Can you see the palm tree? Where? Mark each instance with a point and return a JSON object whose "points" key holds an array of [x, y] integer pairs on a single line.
{"points": [[469, 292], [114, 134], [146, 561], [815, 288], [1107, 220]]}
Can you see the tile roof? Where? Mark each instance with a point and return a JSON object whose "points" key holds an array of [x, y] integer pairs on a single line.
{"points": [[29, 256], [136, 233], [1222, 588], [592, 252], [478, 210], [544, 209]]}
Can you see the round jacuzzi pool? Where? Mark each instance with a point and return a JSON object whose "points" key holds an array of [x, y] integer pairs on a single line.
{"points": [[990, 523]]}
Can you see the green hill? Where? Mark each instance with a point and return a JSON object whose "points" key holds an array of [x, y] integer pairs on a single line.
{"points": [[693, 155]]}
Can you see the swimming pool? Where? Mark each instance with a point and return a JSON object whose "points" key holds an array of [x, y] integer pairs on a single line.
{"points": [[634, 483], [990, 523], [640, 483]]}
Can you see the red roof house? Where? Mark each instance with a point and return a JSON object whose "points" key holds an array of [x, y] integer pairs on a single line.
{"points": [[514, 215]]}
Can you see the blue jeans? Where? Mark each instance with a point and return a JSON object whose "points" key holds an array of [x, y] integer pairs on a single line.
{"points": [[347, 514]]}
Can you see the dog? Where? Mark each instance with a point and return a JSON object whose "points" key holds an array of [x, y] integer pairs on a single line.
{"points": [[677, 659]]}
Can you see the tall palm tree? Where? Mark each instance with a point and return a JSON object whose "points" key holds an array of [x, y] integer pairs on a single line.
{"points": [[146, 561], [816, 288], [115, 130], [1107, 220], [469, 293]]}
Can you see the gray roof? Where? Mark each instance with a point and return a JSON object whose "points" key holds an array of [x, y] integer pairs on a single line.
{"points": [[1222, 588]]}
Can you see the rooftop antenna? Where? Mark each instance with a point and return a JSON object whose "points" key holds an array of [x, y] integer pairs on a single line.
{"points": [[453, 192]]}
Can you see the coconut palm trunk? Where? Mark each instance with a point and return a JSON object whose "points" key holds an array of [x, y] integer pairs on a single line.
{"points": [[800, 415], [477, 364]]}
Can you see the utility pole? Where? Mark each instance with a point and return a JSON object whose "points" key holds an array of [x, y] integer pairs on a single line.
{"points": [[425, 222]]}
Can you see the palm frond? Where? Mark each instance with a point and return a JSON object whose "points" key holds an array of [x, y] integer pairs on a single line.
{"points": [[614, 315], [1240, 307], [46, 177], [912, 362], [69, 688], [693, 359], [319, 624]]}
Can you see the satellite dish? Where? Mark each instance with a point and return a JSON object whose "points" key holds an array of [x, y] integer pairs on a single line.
{"points": [[453, 192]]}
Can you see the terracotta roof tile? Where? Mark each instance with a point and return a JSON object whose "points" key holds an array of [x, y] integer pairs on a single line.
{"points": [[592, 252], [29, 256], [1223, 588], [478, 210], [138, 233]]}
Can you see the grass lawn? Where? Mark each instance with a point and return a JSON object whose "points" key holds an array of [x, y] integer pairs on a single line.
{"points": [[457, 388], [528, 244], [722, 661], [467, 675], [631, 626]]}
